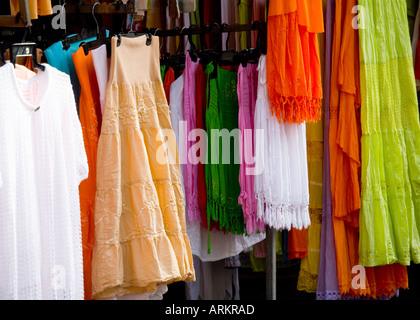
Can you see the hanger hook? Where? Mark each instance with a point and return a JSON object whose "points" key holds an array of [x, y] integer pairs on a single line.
{"points": [[216, 25], [181, 39], [157, 29], [93, 14], [228, 36]]}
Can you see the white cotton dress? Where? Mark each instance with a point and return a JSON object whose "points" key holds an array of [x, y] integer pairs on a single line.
{"points": [[42, 162], [282, 187]]}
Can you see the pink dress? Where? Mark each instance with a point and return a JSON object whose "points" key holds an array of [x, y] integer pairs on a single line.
{"points": [[190, 116], [247, 97]]}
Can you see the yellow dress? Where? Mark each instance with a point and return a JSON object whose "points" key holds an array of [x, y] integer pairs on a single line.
{"points": [[308, 275], [140, 232]]}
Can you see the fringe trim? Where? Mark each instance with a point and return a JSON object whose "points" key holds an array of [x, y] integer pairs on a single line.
{"points": [[283, 217], [298, 109], [229, 220]]}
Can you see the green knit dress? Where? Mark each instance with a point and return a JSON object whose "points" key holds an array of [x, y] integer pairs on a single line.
{"points": [[222, 170]]}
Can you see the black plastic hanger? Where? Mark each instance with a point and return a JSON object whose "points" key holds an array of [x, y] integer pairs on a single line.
{"points": [[87, 46], [132, 34], [193, 51], [99, 33], [208, 55], [27, 49]]}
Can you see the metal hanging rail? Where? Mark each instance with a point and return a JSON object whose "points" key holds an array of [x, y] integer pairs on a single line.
{"points": [[208, 29]]}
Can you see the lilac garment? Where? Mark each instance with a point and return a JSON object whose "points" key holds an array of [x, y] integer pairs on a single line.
{"points": [[247, 96], [327, 277], [228, 15], [190, 116]]}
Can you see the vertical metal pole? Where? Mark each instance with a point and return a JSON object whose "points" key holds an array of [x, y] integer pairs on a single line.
{"points": [[271, 265], [25, 13]]}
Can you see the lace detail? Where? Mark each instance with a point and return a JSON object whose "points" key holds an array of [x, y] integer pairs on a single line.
{"points": [[307, 281], [328, 295], [133, 105], [315, 151], [316, 216]]}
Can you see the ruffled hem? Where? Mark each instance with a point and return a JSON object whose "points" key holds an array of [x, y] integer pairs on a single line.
{"points": [[379, 290], [284, 217], [137, 265]]}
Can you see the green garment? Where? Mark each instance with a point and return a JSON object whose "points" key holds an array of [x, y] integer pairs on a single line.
{"points": [[162, 72], [390, 208], [245, 17], [195, 20], [222, 179]]}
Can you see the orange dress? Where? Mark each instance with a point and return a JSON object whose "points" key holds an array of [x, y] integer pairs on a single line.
{"points": [[89, 114], [293, 59], [345, 137]]}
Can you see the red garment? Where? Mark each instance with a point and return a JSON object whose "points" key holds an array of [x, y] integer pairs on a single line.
{"points": [[201, 105], [211, 13], [169, 79], [417, 61]]}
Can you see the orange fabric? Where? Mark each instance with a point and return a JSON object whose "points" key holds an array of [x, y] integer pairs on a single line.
{"points": [[315, 19], [36, 7], [89, 109], [309, 12], [278, 7], [293, 60], [345, 136], [29, 64], [297, 244]]}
